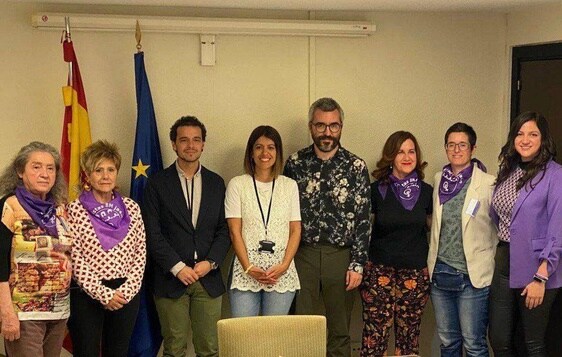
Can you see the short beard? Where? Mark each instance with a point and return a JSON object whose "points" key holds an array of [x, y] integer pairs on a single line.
{"points": [[335, 142]]}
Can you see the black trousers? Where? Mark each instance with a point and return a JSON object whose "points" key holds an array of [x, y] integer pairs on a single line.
{"points": [[92, 326], [507, 310]]}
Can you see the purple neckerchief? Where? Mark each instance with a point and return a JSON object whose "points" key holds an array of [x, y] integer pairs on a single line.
{"points": [[451, 184], [110, 220], [42, 212], [406, 190]]}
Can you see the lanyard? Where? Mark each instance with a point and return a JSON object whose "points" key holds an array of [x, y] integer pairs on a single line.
{"points": [[264, 220]]}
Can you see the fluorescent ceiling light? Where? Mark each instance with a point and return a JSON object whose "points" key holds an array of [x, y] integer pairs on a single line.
{"points": [[195, 25]]}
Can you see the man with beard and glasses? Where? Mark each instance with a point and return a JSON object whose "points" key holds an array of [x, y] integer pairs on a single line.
{"points": [[187, 240], [335, 203]]}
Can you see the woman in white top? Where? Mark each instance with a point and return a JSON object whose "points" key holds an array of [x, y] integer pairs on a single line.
{"points": [[263, 213]]}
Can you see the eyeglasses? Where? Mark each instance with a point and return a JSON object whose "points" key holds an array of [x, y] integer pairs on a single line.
{"points": [[321, 127], [462, 146]]}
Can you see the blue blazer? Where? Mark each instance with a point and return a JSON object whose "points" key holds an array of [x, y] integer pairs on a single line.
{"points": [[536, 229], [171, 237]]}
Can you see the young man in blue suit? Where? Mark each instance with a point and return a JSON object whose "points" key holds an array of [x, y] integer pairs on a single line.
{"points": [[187, 240]]}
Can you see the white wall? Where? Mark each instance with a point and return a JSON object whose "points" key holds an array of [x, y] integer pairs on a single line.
{"points": [[540, 24], [420, 72]]}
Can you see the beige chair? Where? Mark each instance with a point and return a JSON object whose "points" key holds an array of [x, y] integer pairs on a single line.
{"points": [[273, 336]]}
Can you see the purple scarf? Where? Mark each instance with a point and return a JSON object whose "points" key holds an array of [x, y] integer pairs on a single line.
{"points": [[110, 220], [451, 184], [43, 213], [406, 190]]}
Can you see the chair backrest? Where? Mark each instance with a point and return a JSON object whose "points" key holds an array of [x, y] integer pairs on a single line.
{"points": [[273, 336]]}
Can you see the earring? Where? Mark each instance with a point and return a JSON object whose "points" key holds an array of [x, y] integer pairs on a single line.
{"points": [[86, 187]]}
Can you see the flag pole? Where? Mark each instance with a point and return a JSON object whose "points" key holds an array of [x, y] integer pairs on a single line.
{"points": [[138, 36], [68, 39]]}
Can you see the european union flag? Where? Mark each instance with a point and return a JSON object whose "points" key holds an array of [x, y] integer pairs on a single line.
{"points": [[147, 160], [147, 157]]}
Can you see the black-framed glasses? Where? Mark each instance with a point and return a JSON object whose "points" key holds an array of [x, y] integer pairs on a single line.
{"points": [[321, 127], [462, 146]]}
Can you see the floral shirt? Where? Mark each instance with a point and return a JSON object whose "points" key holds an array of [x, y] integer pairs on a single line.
{"points": [[335, 200]]}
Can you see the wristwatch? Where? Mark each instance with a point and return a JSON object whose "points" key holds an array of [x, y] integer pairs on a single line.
{"points": [[357, 268], [214, 265]]}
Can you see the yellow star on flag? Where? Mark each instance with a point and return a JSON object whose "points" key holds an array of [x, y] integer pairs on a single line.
{"points": [[140, 169]]}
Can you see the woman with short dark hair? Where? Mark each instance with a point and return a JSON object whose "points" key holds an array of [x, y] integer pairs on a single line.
{"points": [[527, 207], [263, 214], [462, 247]]}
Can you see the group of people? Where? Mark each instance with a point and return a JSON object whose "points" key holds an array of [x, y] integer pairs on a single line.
{"points": [[84, 260], [491, 264], [306, 233]]}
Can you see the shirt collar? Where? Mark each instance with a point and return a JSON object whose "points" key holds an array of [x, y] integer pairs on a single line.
{"points": [[182, 174]]}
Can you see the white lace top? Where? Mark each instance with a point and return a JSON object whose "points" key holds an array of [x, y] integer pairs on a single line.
{"points": [[241, 203]]}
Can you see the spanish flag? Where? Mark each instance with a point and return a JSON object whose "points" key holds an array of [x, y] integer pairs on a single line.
{"points": [[76, 127]]}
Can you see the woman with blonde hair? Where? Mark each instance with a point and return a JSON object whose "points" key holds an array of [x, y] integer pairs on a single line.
{"points": [[108, 258]]}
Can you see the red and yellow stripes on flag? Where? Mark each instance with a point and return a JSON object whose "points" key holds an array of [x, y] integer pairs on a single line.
{"points": [[76, 126]]}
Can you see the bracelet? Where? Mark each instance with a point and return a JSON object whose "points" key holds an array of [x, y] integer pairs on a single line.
{"points": [[248, 269], [539, 279], [545, 278]]}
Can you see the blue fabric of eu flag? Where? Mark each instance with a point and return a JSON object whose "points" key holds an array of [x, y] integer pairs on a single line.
{"points": [[147, 160]]}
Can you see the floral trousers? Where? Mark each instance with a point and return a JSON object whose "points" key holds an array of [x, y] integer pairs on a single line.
{"points": [[392, 295]]}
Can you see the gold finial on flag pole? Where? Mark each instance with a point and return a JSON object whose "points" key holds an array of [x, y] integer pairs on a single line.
{"points": [[68, 39], [138, 36]]}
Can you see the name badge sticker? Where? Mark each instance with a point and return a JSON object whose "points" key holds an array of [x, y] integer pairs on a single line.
{"points": [[473, 207]]}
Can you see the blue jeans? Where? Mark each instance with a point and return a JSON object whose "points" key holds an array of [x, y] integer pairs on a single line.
{"points": [[461, 312], [249, 303]]}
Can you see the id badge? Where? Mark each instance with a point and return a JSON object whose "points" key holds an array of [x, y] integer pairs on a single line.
{"points": [[266, 246], [473, 207]]}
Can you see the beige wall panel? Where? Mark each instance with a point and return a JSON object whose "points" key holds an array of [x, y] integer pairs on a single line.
{"points": [[421, 73], [257, 80], [539, 24]]}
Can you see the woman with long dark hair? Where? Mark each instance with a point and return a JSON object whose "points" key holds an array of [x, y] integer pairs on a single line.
{"points": [[527, 207], [395, 286], [263, 214]]}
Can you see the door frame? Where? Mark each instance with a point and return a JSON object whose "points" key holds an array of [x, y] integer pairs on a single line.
{"points": [[528, 53]]}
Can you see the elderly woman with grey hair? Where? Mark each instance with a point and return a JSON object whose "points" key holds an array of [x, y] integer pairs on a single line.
{"points": [[35, 267]]}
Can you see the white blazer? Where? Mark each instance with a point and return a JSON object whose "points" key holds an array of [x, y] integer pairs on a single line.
{"points": [[479, 234]]}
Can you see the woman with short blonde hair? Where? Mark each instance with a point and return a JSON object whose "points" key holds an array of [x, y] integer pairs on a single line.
{"points": [[108, 257]]}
